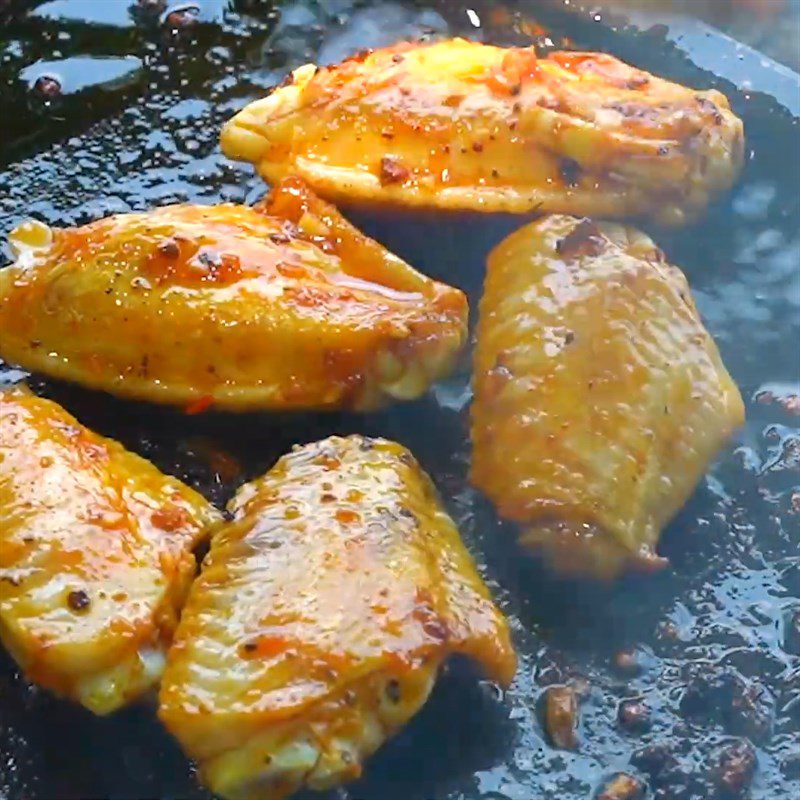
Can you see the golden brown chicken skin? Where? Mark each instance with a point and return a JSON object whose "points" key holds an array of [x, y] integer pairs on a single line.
{"points": [[280, 306], [95, 555], [600, 398], [320, 619], [463, 125]]}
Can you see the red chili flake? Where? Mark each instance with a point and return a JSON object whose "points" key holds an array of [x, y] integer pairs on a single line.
{"points": [[265, 647], [392, 171], [361, 55], [171, 518], [200, 405], [169, 248], [477, 147], [295, 271], [230, 269], [328, 462], [519, 65]]}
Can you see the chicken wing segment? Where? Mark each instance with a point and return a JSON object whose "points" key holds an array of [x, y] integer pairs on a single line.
{"points": [[95, 555], [280, 306], [600, 398], [463, 125], [320, 619]]}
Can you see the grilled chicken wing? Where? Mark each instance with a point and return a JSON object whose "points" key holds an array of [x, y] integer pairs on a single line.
{"points": [[95, 555], [320, 619], [462, 125], [280, 306], [600, 398]]}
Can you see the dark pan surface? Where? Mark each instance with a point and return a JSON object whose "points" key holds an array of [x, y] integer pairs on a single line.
{"points": [[716, 638]]}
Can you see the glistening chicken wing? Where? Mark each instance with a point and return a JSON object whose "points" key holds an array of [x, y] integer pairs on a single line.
{"points": [[95, 555], [600, 398], [281, 306], [320, 619], [463, 125]]}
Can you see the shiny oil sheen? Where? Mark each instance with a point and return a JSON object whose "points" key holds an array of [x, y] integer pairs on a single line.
{"points": [[95, 555], [281, 306], [468, 126], [600, 399], [339, 574]]}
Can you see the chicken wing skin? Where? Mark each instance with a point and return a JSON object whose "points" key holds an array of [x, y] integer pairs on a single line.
{"points": [[600, 398], [281, 306], [320, 619], [463, 125], [95, 555]]}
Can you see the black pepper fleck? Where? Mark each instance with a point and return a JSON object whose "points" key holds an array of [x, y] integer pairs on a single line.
{"points": [[393, 691], [570, 171], [585, 239], [78, 600]]}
